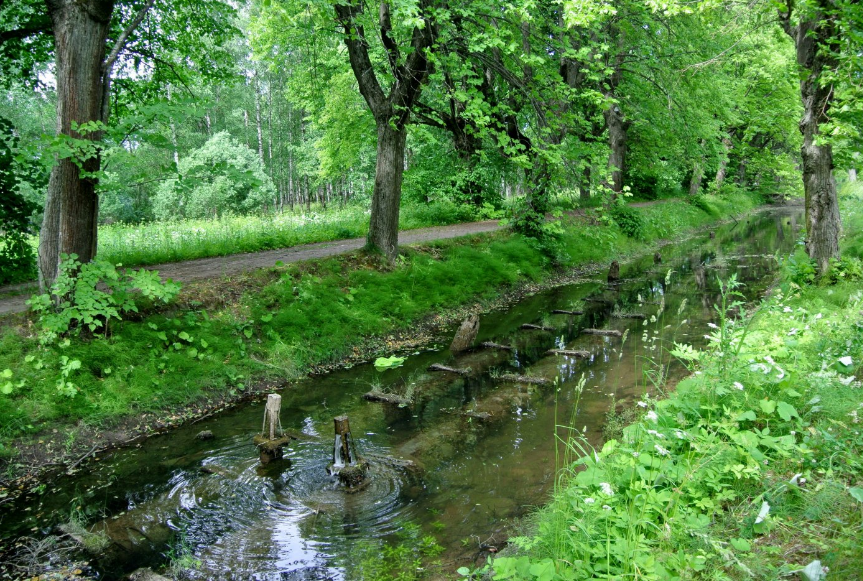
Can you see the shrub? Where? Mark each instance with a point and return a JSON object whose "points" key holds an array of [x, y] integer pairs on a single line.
{"points": [[17, 258], [88, 296], [628, 219], [222, 176]]}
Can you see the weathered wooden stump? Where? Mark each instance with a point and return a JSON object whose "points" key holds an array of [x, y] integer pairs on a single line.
{"points": [[465, 335], [712, 235], [657, 258], [614, 271], [348, 467], [272, 440]]}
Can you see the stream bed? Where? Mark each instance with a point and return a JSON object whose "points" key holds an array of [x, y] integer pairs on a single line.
{"points": [[461, 459]]}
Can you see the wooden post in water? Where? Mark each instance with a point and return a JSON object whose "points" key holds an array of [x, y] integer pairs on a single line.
{"points": [[342, 431], [614, 272], [271, 441], [348, 467], [465, 335]]}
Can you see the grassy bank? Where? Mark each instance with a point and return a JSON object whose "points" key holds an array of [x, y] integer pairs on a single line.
{"points": [[750, 469], [275, 324]]}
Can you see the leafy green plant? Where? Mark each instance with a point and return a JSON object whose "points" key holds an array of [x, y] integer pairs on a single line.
{"points": [[88, 296], [391, 362], [628, 219]]}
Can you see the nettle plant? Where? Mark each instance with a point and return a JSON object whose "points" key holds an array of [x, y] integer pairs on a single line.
{"points": [[86, 297]]}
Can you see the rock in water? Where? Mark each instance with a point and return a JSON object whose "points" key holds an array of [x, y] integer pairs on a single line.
{"points": [[465, 335], [205, 435]]}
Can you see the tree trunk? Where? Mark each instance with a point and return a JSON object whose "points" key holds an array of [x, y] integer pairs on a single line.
{"points": [[695, 182], [814, 40], [617, 146], [71, 206], [852, 175], [723, 165], [584, 186], [384, 225]]}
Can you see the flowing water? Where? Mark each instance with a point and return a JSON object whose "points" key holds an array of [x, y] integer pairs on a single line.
{"points": [[469, 455]]}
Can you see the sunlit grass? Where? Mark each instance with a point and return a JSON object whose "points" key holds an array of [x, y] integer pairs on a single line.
{"points": [[174, 241]]}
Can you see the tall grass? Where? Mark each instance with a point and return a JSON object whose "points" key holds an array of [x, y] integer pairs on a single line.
{"points": [[174, 241]]}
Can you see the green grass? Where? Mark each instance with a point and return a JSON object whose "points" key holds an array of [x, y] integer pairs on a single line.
{"points": [[159, 242], [287, 320], [750, 469]]}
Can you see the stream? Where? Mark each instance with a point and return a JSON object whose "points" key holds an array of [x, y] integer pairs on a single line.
{"points": [[462, 461]]}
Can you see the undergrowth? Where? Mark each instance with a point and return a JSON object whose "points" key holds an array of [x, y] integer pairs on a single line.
{"points": [[751, 469]]}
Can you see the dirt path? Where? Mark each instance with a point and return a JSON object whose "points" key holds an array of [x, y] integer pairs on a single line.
{"points": [[14, 301], [13, 297]]}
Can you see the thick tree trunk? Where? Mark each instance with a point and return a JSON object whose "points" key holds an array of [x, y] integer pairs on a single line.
{"points": [[71, 206], [814, 39], [384, 225], [695, 182], [617, 128], [584, 186], [723, 165]]}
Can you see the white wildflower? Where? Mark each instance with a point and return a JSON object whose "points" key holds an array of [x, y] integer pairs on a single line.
{"points": [[713, 325], [589, 500], [662, 451], [651, 415], [738, 385], [606, 507], [681, 435], [846, 361], [787, 310], [606, 488], [655, 434], [642, 404], [635, 454]]}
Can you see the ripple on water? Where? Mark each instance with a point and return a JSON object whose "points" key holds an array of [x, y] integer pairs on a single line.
{"points": [[292, 520]]}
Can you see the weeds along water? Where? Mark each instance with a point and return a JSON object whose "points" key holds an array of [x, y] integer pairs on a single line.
{"points": [[750, 469]]}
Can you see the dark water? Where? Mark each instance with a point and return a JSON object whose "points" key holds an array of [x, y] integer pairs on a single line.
{"points": [[485, 446]]}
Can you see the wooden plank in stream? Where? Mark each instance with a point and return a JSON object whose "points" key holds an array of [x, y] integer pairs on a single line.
{"points": [[628, 316], [602, 332], [569, 353], [492, 345], [530, 327], [456, 370], [524, 379], [562, 312], [389, 398]]}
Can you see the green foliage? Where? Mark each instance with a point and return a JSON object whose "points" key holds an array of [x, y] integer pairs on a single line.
{"points": [[702, 202], [629, 220], [756, 451], [88, 296], [222, 176], [17, 256], [391, 362]]}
